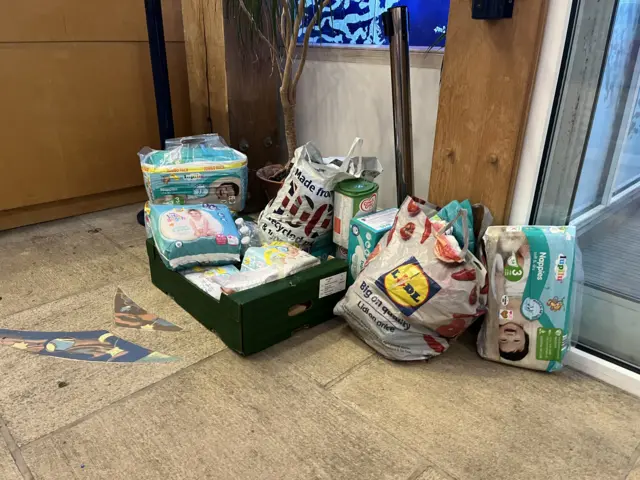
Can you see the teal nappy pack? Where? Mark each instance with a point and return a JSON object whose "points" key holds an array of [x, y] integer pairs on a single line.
{"points": [[195, 174], [191, 235]]}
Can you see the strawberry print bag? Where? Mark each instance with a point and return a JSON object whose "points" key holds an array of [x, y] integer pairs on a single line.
{"points": [[418, 290]]}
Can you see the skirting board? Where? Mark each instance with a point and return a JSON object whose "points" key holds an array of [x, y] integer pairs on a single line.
{"points": [[604, 371], [19, 217]]}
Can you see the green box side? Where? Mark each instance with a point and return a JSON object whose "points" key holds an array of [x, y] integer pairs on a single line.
{"points": [[265, 316], [223, 317], [254, 319]]}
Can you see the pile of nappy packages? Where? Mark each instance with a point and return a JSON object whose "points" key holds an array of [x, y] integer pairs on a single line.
{"points": [[198, 185], [418, 276]]}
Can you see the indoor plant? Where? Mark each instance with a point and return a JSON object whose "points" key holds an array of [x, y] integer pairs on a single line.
{"points": [[280, 23]]}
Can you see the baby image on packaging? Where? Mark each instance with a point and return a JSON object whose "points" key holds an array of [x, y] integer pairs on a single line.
{"points": [[531, 301], [226, 192], [194, 235], [203, 226]]}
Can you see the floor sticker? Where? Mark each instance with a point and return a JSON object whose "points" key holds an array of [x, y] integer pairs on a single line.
{"points": [[129, 314], [93, 346]]}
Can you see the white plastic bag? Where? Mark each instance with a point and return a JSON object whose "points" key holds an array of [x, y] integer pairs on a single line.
{"points": [[303, 209], [418, 291]]}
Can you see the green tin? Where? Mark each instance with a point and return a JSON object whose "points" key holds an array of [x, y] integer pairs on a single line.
{"points": [[353, 198]]}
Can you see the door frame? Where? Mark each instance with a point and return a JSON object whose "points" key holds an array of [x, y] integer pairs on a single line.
{"points": [[552, 89]]}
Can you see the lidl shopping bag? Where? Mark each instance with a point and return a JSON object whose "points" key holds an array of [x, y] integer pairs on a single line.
{"points": [[419, 289], [303, 209]]}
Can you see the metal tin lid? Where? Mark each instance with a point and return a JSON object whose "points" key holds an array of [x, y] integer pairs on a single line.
{"points": [[356, 187]]}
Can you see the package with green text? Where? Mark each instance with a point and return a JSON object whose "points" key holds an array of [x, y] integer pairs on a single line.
{"points": [[532, 298]]}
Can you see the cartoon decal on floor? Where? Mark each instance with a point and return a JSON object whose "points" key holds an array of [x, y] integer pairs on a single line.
{"points": [[129, 314], [93, 346]]}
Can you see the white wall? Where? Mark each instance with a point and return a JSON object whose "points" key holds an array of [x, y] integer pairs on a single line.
{"points": [[341, 100], [345, 93]]}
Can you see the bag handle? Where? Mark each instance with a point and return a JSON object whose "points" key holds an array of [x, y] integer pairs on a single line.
{"points": [[465, 230], [355, 146]]}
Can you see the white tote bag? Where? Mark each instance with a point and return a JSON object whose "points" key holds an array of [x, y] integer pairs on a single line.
{"points": [[303, 209]]}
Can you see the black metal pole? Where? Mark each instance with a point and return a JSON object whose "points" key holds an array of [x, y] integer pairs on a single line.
{"points": [[155, 30], [396, 23], [160, 72]]}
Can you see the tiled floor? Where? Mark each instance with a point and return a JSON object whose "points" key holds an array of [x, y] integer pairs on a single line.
{"points": [[321, 405]]}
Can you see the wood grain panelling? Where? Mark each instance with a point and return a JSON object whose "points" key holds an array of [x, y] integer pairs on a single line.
{"points": [[206, 64], [252, 95], [233, 88], [43, 212], [83, 20], [489, 68], [74, 115]]}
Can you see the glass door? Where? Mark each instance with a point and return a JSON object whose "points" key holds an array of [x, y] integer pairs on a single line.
{"points": [[591, 171]]}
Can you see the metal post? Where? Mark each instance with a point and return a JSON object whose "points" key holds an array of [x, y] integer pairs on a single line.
{"points": [[160, 72], [155, 30], [396, 25]]}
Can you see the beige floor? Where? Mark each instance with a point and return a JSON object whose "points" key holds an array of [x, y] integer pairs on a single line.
{"points": [[319, 406]]}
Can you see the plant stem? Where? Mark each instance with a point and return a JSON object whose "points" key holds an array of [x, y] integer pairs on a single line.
{"points": [[289, 114]]}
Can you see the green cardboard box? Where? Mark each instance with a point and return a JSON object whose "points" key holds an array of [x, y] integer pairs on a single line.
{"points": [[255, 319]]}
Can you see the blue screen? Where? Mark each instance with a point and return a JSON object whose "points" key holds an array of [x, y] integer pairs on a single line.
{"points": [[359, 22]]}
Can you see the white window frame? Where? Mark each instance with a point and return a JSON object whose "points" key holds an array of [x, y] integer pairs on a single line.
{"points": [[534, 141], [611, 202]]}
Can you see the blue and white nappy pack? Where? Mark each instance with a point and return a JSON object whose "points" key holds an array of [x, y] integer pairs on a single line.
{"points": [[191, 235]]}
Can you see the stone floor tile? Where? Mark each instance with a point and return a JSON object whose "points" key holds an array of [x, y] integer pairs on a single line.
{"points": [[8, 469], [121, 226], [31, 401], [433, 473], [325, 352], [226, 417], [479, 419], [635, 472], [37, 269]]}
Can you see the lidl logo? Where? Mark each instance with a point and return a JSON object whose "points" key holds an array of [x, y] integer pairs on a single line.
{"points": [[408, 286]]}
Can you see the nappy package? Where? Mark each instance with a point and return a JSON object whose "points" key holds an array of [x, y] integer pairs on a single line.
{"points": [[284, 257], [194, 235], [365, 233], [204, 278], [247, 279], [195, 174], [532, 297]]}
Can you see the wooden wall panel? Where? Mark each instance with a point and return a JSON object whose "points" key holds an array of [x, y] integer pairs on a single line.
{"points": [[489, 68], [233, 89], [206, 64], [75, 114], [83, 20], [44, 212], [77, 103], [252, 96]]}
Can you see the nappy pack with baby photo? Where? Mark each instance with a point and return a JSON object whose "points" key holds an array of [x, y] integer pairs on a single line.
{"points": [[532, 300], [193, 235], [196, 170]]}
